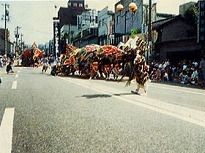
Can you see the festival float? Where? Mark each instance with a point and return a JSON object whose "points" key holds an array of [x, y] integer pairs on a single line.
{"points": [[31, 56]]}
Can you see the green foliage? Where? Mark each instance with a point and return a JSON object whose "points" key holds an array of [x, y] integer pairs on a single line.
{"points": [[134, 32], [191, 15]]}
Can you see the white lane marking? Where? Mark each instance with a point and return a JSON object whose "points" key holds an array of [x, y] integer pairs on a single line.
{"points": [[18, 71], [14, 85], [186, 114], [180, 89], [6, 131], [16, 76]]}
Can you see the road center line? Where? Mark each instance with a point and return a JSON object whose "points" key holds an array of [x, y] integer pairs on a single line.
{"points": [[186, 114], [6, 131], [16, 76], [14, 85]]}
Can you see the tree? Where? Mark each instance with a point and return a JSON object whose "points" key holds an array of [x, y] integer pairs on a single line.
{"points": [[191, 15]]}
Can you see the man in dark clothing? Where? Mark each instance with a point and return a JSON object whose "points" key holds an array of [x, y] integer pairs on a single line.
{"points": [[9, 68]]}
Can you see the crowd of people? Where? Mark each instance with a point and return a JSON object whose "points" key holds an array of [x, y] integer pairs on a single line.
{"points": [[190, 72]]}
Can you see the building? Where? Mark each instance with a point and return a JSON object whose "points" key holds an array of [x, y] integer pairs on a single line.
{"points": [[87, 32], [184, 7], [76, 3], [87, 19], [125, 20], [161, 16], [146, 16], [105, 26], [2, 42], [68, 15], [201, 25], [68, 21], [176, 40], [50, 47]]}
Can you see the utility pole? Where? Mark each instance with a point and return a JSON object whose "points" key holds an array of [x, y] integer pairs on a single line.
{"points": [[21, 43], [150, 27], [17, 36], [5, 17]]}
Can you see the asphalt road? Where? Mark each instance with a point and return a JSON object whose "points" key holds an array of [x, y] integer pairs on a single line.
{"points": [[71, 115]]}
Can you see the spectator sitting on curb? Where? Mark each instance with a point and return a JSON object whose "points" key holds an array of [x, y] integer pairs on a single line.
{"points": [[194, 77]]}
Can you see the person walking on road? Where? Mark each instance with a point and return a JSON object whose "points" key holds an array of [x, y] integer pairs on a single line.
{"points": [[45, 64], [9, 68]]}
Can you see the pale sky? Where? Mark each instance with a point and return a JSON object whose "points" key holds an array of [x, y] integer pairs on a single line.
{"points": [[35, 17]]}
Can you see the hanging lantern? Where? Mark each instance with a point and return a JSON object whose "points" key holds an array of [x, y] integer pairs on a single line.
{"points": [[132, 7], [119, 7]]}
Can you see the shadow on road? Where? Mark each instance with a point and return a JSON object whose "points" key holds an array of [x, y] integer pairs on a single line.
{"points": [[104, 95], [96, 96], [123, 94]]}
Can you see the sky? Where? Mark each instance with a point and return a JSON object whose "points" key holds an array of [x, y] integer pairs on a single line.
{"points": [[35, 17]]}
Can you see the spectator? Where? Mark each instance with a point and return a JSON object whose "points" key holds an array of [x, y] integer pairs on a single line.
{"points": [[202, 69], [184, 77], [1, 61], [194, 77], [166, 77]]}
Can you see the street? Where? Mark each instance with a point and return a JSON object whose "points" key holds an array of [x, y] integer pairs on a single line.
{"points": [[72, 115]]}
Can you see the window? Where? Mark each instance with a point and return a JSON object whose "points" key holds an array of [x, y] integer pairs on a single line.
{"points": [[80, 5], [201, 6], [75, 4], [202, 21], [103, 21]]}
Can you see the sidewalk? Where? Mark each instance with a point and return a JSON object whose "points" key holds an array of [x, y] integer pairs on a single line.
{"points": [[179, 84]]}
